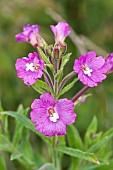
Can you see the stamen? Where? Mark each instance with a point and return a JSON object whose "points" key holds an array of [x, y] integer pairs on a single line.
{"points": [[32, 67], [53, 116], [87, 70], [29, 67]]}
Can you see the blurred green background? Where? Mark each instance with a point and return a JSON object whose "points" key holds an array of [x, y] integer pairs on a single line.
{"points": [[91, 18]]}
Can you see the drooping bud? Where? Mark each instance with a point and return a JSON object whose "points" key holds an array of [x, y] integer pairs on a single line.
{"points": [[82, 99], [40, 41], [28, 34]]}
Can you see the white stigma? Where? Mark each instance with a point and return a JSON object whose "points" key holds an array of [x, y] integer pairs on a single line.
{"points": [[88, 71], [29, 67], [54, 117]]}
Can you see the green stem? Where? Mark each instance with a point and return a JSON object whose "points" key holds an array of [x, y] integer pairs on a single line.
{"points": [[55, 159]]}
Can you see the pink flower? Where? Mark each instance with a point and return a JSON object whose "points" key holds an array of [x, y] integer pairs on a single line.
{"points": [[61, 31], [90, 69], [109, 62], [29, 68], [51, 117], [29, 34]]}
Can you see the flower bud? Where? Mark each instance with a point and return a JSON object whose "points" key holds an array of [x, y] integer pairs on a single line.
{"points": [[40, 41], [48, 50], [56, 52], [63, 47], [82, 99]]}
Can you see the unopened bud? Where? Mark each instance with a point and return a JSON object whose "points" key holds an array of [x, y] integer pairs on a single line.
{"points": [[82, 99], [56, 52], [48, 50], [63, 47], [40, 41]]}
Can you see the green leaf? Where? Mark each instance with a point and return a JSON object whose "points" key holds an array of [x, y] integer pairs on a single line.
{"points": [[25, 148], [26, 122], [6, 147], [65, 59], [103, 141], [38, 89], [68, 87], [74, 138], [90, 132], [5, 144], [57, 76], [3, 138], [2, 163], [47, 166], [43, 85], [15, 155], [94, 166], [109, 133], [44, 57], [78, 154], [50, 67], [74, 141], [62, 141], [19, 127]]}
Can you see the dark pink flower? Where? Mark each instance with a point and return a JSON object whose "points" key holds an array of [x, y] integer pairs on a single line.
{"points": [[61, 31], [29, 34], [29, 68], [51, 117], [90, 69], [109, 62]]}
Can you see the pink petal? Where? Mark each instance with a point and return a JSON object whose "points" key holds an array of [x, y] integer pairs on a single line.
{"points": [[38, 115], [65, 110], [97, 76], [52, 129], [86, 80], [97, 63], [47, 99]]}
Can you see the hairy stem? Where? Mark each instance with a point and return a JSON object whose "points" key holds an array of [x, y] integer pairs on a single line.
{"points": [[56, 67], [66, 78], [49, 78], [80, 93]]}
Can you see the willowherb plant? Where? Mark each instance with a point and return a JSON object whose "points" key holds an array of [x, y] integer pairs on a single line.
{"points": [[50, 113]]}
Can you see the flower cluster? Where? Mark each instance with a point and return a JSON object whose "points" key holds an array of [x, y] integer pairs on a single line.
{"points": [[50, 114]]}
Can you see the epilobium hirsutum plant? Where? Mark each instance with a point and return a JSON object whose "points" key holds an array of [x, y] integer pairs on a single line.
{"points": [[51, 114]]}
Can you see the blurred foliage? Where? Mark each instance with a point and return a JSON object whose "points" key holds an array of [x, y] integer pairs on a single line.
{"points": [[92, 18]]}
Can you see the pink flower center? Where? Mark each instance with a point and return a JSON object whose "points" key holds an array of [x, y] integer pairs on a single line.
{"points": [[87, 70], [53, 116], [32, 67]]}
